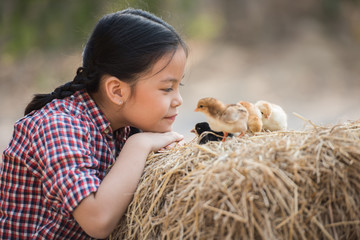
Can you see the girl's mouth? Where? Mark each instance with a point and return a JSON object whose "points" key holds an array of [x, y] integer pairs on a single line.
{"points": [[172, 118]]}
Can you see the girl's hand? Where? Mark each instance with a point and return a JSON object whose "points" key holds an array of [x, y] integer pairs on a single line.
{"points": [[156, 141]]}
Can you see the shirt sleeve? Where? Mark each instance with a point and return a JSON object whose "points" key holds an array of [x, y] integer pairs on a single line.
{"points": [[70, 171]]}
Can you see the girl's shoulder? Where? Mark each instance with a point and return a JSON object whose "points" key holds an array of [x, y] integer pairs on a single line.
{"points": [[76, 116], [60, 115]]}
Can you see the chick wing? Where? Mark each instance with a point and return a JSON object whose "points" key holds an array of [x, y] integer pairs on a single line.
{"points": [[233, 113]]}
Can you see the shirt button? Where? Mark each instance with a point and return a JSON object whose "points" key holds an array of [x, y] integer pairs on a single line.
{"points": [[106, 131]]}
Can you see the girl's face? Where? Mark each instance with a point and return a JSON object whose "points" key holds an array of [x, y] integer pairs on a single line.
{"points": [[153, 105]]}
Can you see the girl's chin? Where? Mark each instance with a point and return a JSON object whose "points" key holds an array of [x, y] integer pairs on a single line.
{"points": [[159, 129], [165, 130]]}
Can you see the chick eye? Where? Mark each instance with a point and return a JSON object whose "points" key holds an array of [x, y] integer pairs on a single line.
{"points": [[201, 106]]}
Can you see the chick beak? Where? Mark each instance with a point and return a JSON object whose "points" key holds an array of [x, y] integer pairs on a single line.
{"points": [[196, 110], [192, 130]]}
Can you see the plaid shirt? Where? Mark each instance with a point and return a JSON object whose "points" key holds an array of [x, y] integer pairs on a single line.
{"points": [[58, 156]]}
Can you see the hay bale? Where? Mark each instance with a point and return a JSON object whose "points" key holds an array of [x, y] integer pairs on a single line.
{"points": [[284, 185]]}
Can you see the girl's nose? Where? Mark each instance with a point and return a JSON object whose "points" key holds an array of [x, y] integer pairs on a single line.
{"points": [[177, 101]]}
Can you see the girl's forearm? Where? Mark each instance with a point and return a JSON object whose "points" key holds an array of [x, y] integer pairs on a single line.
{"points": [[99, 213]]}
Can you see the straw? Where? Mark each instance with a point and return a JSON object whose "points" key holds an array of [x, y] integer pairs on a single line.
{"points": [[271, 185]]}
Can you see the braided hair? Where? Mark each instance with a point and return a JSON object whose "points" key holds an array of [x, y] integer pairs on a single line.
{"points": [[123, 44]]}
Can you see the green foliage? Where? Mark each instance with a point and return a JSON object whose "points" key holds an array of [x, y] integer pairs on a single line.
{"points": [[204, 26], [53, 25], [45, 25], [28, 25]]}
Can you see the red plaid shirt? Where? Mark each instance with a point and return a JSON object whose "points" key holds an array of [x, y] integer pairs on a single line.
{"points": [[57, 157]]}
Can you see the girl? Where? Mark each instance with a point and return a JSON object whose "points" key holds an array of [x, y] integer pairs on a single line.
{"points": [[53, 179]]}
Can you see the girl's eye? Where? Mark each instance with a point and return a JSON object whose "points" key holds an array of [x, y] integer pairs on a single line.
{"points": [[170, 89], [167, 89]]}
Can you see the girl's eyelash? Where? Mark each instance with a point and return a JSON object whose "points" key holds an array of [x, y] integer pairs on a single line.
{"points": [[167, 89], [170, 89]]}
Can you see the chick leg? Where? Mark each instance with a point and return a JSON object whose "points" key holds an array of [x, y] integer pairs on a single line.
{"points": [[225, 135], [242, 134]]}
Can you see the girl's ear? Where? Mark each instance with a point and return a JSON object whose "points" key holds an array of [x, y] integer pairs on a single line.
{"points": [[116, 90]]}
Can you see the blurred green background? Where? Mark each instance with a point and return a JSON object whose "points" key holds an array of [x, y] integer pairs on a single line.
{"points": [[302, 55]]}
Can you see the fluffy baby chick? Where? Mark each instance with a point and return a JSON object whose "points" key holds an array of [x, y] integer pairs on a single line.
{"points": [[254, 122], [227, 118], [205, 134], [274, 117]]}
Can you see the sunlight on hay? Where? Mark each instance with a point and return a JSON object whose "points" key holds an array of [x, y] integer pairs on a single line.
{"points": [[283, 185]]}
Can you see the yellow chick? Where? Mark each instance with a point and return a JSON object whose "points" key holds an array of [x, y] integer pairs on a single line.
{"points": [[226, 118], [254, 122], [274, 117]]}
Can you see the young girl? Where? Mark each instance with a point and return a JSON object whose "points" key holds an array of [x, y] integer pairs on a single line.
{"points": [[71, 168]]}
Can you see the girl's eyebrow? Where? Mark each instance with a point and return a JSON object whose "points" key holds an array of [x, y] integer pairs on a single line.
{"points": [[172, 79], [169, 80]]}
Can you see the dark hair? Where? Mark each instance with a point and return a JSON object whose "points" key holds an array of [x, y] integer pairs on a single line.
{"points": [[123, 44]]}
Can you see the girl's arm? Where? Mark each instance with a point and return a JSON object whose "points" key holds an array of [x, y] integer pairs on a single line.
{"points": [[100, 212]]}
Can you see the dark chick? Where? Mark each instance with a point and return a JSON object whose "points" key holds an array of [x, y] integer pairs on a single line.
{"points": [[205, 134]]}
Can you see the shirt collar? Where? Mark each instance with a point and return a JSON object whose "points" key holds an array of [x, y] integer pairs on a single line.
{"points": [[94, 111]]}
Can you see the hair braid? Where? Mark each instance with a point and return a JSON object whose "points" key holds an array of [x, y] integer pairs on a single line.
{"points": [[63, 91]]}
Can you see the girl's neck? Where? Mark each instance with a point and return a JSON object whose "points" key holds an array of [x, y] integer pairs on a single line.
{"points": [[109, 110]]}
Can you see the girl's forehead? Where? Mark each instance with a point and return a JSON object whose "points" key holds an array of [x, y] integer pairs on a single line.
{"points": [[168, 68]]}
